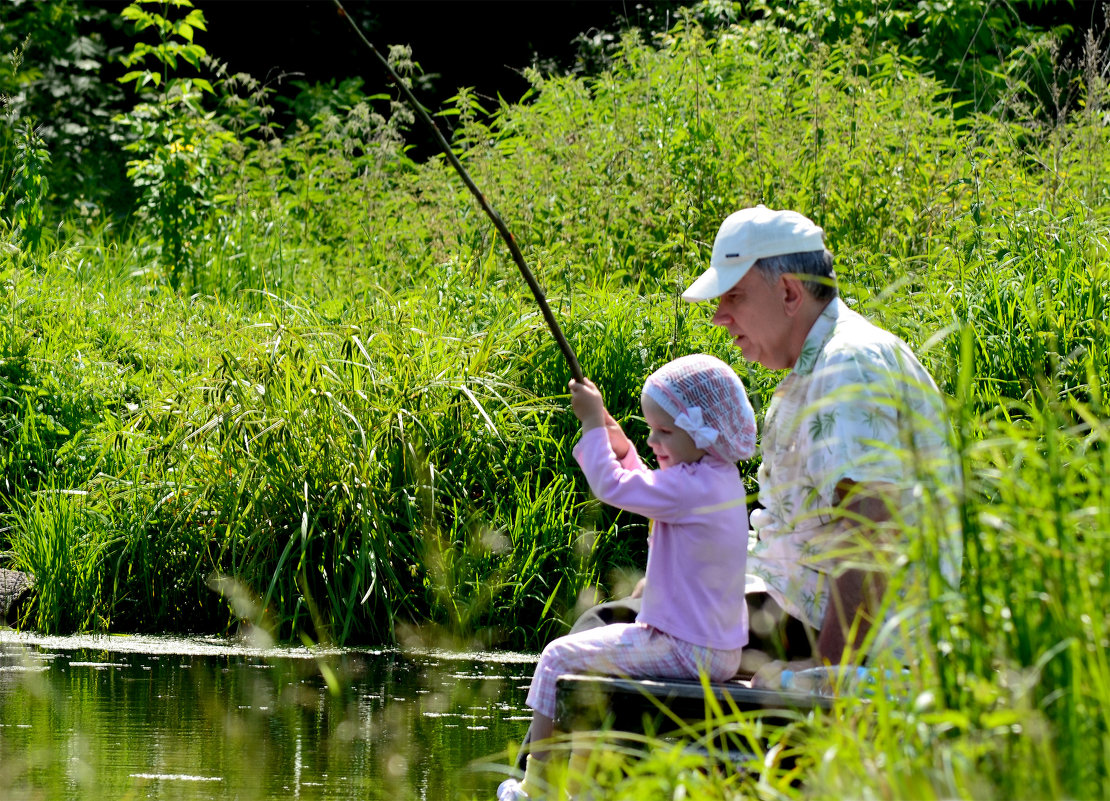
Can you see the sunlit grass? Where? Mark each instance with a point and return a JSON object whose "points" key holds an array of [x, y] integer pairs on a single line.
{"points": [[356, 472]]}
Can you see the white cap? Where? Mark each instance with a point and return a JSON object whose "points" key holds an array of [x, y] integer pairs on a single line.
{"points": [[748, 235]]}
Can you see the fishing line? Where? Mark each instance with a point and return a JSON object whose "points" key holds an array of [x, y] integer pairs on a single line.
{"points": [[502, 229]]}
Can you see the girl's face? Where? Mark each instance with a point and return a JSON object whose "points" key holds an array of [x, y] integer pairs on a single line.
{"points": [[670, 443]]}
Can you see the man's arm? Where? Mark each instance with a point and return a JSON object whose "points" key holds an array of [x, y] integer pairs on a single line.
{"points": [[855, 595]]}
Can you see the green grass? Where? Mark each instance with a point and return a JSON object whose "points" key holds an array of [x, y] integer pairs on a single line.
{"points": [[352, 411]]}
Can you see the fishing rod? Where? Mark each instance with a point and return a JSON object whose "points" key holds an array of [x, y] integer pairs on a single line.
{"points": [[502, 229]]}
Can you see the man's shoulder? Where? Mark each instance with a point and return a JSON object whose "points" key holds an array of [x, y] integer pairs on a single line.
{"points": [[858, 351]]}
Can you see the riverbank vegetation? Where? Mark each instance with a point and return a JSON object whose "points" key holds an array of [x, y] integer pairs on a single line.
{"points": [[286, 374]]}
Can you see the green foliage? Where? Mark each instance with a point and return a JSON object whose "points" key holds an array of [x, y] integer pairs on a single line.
{"points": [[29, 186], [53, 77], [62, 544], [352, 413], [175, 41], [984, 52], [175, 143]]}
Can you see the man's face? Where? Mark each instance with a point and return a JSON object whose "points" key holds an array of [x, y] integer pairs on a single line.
{"points": [[753, 312]]}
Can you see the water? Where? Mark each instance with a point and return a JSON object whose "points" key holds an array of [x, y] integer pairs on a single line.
{"points": [[112, 717]]}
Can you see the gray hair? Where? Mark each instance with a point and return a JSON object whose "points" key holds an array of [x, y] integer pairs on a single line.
{"points": [[813, 268]]}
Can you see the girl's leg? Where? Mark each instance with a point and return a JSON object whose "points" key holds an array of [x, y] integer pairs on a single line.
{"points": [[621, 649], [609, 613], [624, 649]]}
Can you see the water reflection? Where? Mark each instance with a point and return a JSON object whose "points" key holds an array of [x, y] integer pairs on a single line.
{"points": [[170, 718]]}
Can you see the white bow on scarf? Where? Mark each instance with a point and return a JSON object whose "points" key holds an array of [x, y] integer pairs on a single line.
{"points": [[692, 423]]}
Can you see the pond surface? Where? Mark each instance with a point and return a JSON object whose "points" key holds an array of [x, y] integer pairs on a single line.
{"points": [[116, 717]]}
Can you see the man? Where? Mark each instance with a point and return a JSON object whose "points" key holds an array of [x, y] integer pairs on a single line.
{"points": [[855, 449]]}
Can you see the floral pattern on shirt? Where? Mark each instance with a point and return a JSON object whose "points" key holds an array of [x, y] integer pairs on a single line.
{"points": [[858, 405]]}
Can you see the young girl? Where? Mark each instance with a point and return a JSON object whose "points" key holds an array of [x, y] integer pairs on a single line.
{"points": [[693, 618]]}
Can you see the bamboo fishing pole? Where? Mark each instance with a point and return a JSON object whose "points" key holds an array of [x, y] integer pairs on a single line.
{"points": [[502, 229]]}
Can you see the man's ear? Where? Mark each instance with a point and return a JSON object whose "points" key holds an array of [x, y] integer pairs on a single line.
{"points": [[793, 294]]}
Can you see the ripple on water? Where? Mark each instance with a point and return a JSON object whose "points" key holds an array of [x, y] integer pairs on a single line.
{"points": [[213, 645], [176, 777]]}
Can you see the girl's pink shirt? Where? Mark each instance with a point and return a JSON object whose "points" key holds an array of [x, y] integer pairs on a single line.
{"points": [[697, 551]]}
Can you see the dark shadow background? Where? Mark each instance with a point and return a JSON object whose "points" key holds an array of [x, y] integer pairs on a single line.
{"points": [[480, 44], [484, 44]]}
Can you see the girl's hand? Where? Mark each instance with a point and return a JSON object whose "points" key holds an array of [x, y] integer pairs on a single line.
{"points": [[589, 408]]}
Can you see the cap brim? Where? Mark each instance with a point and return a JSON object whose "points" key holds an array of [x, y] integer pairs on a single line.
{"points": [[716, 281]]}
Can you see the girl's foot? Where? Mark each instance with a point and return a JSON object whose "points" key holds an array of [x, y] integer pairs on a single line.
{"points": [[509, 790]]}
